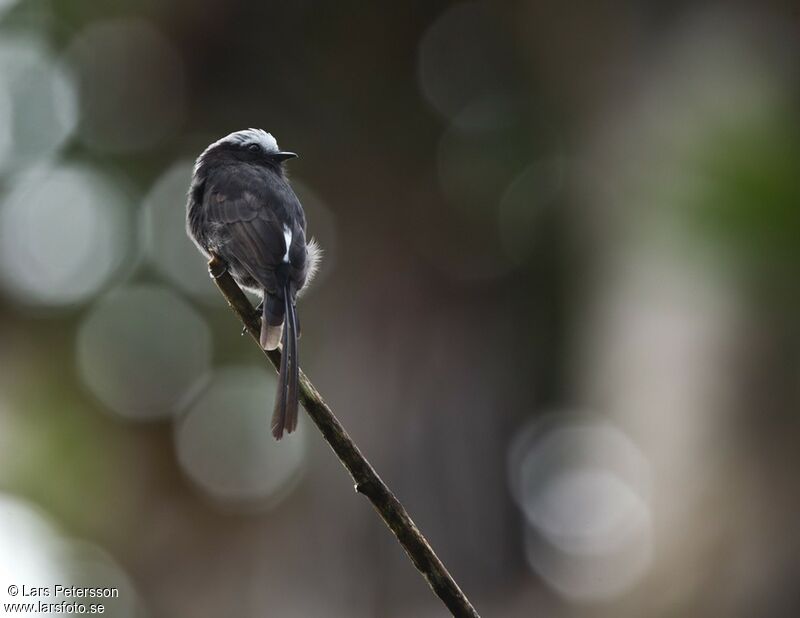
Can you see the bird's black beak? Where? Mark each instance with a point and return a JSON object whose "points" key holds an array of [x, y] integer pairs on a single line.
{"points": [[283, 156]]}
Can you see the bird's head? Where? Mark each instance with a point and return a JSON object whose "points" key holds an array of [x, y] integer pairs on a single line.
{"points": [[249, 145]]}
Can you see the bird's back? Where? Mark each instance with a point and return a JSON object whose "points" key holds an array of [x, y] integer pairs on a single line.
{"points": [[252, 219]]}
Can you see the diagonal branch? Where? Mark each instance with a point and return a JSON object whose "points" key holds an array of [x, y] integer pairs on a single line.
{"points": [[367, 481]]}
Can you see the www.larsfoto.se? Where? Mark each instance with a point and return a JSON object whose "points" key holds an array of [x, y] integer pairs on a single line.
{"points": [[40, 607]]}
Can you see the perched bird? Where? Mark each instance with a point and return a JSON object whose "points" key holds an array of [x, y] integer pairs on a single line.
{"points": [[242, 210]]}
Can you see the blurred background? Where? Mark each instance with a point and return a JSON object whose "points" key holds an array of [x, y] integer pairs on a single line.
{"points": [[558, 309]]}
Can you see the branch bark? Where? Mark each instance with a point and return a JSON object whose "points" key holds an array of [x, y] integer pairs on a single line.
{"points": [[367, 481]]}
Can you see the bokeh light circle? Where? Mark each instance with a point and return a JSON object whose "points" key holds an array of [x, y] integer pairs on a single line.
{"points": [[523, 204], [34, 553], [463, 63], [38, 103], [5, 5], [164, 233], [28, 546], [87, 565], [63, 234], [588, 577], [141, 350], [474, 170], [583, 487], [131, 82], [224, 442]]}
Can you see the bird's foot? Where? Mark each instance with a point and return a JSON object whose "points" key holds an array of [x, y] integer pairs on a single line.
{"points": [[216, 267], [257, 310]]}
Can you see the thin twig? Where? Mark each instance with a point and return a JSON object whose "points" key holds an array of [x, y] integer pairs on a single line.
{"points": [[367, 481]]}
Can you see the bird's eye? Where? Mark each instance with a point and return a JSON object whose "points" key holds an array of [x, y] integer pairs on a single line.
{"points": [[254, 148]]}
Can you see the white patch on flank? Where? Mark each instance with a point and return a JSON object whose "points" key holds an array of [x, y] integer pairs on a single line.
{"points": [[287, 236]]}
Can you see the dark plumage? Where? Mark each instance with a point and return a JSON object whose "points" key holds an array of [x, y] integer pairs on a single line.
{"points": [[242, 209]]}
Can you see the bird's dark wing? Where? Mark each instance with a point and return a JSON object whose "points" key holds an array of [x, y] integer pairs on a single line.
{"points": [[245, 230]]}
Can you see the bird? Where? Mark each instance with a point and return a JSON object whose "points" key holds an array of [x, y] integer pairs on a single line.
{"points": [[242, 210]]}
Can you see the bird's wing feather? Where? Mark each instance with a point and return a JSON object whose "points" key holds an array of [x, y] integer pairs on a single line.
{"points": [[246, 231]]}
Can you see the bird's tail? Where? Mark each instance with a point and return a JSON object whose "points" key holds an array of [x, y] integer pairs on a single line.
{"points": [[272, 317], [284, 417]]}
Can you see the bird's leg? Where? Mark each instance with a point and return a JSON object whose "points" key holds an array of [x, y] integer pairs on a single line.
{"points": [[216, 268], [258, 310]]}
